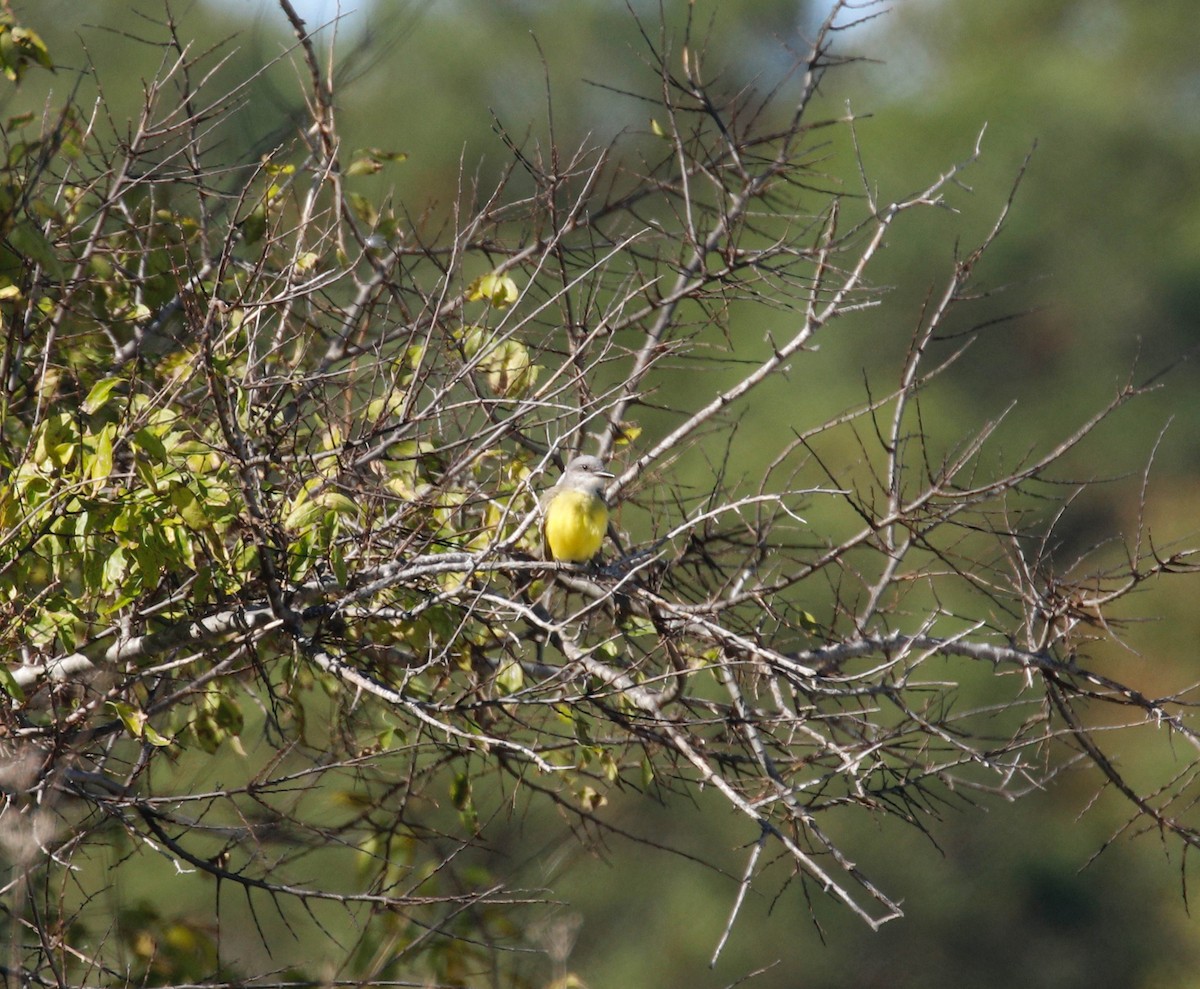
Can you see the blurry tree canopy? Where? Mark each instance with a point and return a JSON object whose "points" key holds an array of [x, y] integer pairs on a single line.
{"points": [[274, 614]]}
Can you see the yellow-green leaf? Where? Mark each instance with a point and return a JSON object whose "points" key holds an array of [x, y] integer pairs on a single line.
{"points": [[189, 506], [363, 208], [102, 460], [591, 799], [368, 161], [630, 431], [136, 723], [508, 369], [337, 502], [497, 290], [98, 397], [19, 48], [510, 678]]}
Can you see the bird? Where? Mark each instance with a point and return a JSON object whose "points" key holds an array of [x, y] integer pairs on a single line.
{"points": [[574, 512]]}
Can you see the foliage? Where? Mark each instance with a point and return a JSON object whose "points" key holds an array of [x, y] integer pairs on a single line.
{"points": [[271, 593]]}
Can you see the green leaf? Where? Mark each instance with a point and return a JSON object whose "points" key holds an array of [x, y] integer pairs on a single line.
{"points": [[56, 442], [337, 502], [362, 166], [30, 243], [254, 225], [368, 161], [136, 723], [303, 515], [101, 462], [145, 471], [153, 737], [510, 678], [216, 719], [634, 626], [152, 444], [386, 406], [473, 338], [363, 208], [460, 790], [303, 554], [98, 396], [8, 684], [189, 506], [19, 48], [464, 801], [115, 568]]}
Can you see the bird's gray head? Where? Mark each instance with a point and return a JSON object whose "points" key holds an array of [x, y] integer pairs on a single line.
{"points": [[586, 474]]}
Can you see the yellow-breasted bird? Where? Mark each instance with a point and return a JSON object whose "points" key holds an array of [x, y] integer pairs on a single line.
{"points": [[574, 512]]}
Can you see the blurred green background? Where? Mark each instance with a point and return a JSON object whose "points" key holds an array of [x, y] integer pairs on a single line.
{"points": [[1101, 255]]}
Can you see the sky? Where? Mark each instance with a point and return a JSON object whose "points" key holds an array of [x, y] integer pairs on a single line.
{"points": [[311, 10]]}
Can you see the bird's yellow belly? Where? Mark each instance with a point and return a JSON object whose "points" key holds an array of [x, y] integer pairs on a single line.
{"points": [[575, 526]]}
